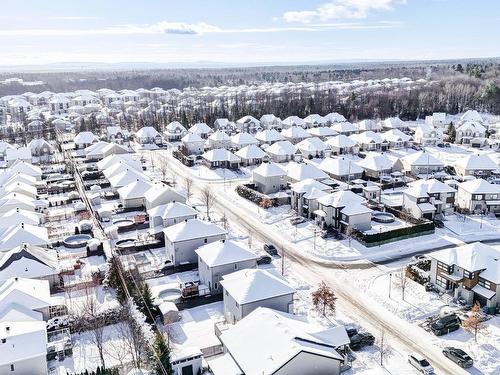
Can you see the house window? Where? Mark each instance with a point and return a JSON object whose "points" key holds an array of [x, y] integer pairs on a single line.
{"points": [[235, 267], [468, 275], [216, 286], [11, 367], [442, 282], [484, 283], [445, 267], [205, 240]]}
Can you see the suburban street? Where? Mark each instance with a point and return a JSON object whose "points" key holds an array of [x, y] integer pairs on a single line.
{"points": [[352, 302]]}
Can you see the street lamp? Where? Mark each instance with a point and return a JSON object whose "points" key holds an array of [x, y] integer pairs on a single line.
{"points": [[390, 283]]}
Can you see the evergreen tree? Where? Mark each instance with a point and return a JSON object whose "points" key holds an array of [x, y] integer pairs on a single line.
{"points": [[163, 353], [452, 133]]}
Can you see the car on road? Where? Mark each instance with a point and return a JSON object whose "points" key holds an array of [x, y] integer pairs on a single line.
{"points": [[270, 249], [297, 220], [361, 339], [420, 363], [458, 356], [446, 324], [264, 259]]}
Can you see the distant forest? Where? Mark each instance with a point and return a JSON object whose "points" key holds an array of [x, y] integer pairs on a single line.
{"points": [[460, 85]]}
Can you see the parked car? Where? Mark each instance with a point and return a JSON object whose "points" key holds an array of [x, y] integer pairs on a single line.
{"points": [[420, 363], [446, 324], [264, 259], [419, 257], [270, 249], [458, 356], [361, 339], [297, 220]]}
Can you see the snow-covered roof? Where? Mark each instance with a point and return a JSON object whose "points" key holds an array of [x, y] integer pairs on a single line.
{"points": [[433, 186], [251, 152], [243, 139], [376, 162], [472, 115], [339, 166], [200, 128], [21, 153], [293, 121], [33, 294], [269, 170], [368, 125], [125, 177], [476, 162], [192, 138], [282, 148], [191, 229], [344, 127], [26, 168], [219, 135], [147, 132], [355, 209], [224, 252], [135, 189], [252, 285], [367, 137], [307, 185], [313, 144], [221, 154], [322, 131], [473, 257], [42, 262], [266, 339], [334, 117], [341, 198], [341, 141], [395, 135], [295, 132], [17, 216], [421, 158], [85, 138], [26, 340], [268, 135], [15, 235], [473, 126], [302, 171], [175, 127], [172, 210], [393, 123], [479, 186]]}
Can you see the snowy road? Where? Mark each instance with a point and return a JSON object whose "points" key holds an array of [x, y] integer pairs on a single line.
{"points": [[402, 334]]}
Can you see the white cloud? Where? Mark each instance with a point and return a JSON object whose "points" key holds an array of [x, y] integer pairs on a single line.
{"points": [[73, 18], [341, 9], [187, 29]]}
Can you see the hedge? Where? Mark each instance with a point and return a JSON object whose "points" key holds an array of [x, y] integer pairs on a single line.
{"points": [[393, 235], [248, 192]]}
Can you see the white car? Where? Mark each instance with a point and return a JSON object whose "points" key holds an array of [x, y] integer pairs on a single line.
{"points": [[420, 363]]}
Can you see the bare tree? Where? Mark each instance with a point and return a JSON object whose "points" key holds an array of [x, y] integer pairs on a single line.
{"points": [[188, 183], [324, 299], [402, 280], [163, 166], [383, 348], [208, 199], [475, 321]]}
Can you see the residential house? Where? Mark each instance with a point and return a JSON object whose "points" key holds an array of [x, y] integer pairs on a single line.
{"points": [[169, 214], [428, 135], [14, 235], [302, 171], [193, 144], [13, 155], [217, 259], [274, 342], [377, 165], [421, 163], [345, 128], [148, 135], [84, 139], [438, 120], [370, 141], [394, 123], [366, 125], [282, 151], [314, 120], [252, 155], [479, 196], [174, 131], [480, 166], [343, 210], [322, 132], [220, 158], [468, 131], [132, 195], [160, 194], [240, 140], [441, 196], [246, 290], [470, 272], [201, 129], [333, 118], [293, 121], [248, 124], [396, 138], [269, 178], [181, 240], [268, 136], [342, 144], [270, 121], [342, 169], [295, 134], [219, 139], [312, 148], [305, 195]]}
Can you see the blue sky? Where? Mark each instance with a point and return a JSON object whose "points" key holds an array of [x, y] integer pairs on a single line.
{"points": [[252, 31]]}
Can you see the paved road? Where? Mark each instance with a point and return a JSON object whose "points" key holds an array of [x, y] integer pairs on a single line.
{"points": [[407, 336]]}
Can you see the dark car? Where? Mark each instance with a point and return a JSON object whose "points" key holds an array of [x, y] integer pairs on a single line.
{"points": [[270, 249], [361, 339], [264, 259], [458, 356], [446, 324]]}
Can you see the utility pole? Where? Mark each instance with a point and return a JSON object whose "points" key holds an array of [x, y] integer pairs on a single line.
{"points": [[390, 283], [282, 261]]}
